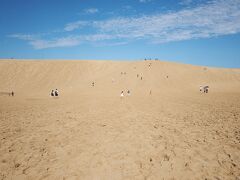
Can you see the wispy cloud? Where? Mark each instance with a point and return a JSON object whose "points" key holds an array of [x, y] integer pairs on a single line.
{"points": [[144, 1], [185, 2], [216, 18], [27, 37], [60, 42], [91, 11], [68, 41], [75, 25]]}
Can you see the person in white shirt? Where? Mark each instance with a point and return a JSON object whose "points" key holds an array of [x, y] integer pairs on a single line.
{"points": [[122, 95]]}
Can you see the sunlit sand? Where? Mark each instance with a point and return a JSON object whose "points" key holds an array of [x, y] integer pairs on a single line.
{"points": [[165, 128]]}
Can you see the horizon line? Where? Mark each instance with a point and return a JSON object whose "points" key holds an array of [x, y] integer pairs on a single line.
{"points": [[117, 60]]}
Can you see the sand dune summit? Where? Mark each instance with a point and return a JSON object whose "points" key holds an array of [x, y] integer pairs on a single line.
{"points": [[165, 129]]}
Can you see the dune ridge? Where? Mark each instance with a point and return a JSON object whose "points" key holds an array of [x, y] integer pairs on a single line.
{"points": [[69, 75]]}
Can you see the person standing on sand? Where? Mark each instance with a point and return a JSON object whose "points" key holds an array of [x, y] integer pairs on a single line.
{"points": [[56, 92], [12, 93], [128, 93], [52, 93], [122, 95]]}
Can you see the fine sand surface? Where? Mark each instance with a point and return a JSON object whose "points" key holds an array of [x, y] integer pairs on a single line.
{"points": [[89, 132]]}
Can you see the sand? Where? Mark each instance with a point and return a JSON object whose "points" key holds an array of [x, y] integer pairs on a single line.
{"points": [[90, 132]]}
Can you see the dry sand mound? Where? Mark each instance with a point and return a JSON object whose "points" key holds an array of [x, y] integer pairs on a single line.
{"points": [[89, 132]]}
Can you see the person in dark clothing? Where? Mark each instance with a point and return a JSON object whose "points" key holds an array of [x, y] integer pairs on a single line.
{"points": [[52, 93], [56, 92]]}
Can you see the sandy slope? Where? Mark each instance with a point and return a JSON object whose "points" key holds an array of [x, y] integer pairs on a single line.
{"points": [[90, 133]]}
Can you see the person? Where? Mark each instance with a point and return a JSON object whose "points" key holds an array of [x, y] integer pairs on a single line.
{"points": [[56, 92], [206, 90], [52, 93], [122, 95], [12, 93], [128, 93], [92, 83]]}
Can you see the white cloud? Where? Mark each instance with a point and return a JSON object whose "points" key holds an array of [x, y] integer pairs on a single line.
{"points": [[144, 1], [220, 17], [60, 42], [185, 2], [91, 11], [68, 41], [216, 18], [27, 37], [75, 25]]}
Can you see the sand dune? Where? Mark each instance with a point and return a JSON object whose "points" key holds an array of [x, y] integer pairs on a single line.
{"points": [[89, 132]]}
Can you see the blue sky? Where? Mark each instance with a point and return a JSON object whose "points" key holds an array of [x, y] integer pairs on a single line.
{"points": [[200, 32]]}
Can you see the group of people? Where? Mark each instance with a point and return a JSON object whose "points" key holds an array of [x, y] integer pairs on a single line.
{"points": [[204, 89], [55, 92], [122, 93], [11, 93], [138, 76]]}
